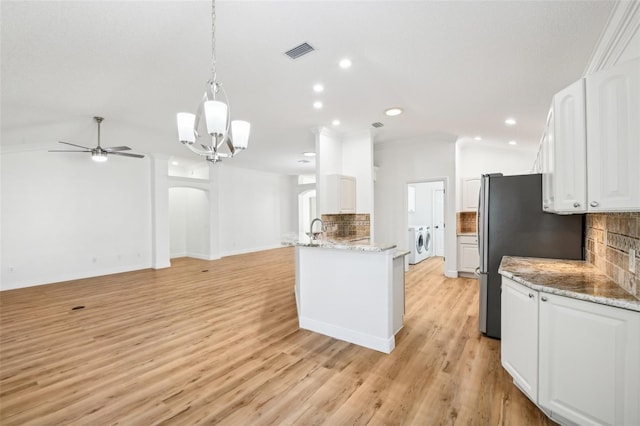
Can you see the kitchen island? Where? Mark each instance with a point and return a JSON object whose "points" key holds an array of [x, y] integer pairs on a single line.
{"points": [[351, 290]]}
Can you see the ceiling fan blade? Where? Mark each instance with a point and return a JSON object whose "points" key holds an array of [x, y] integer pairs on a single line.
{"points": [[126, 154], [73, 144], [66, 150], [117, 148]]}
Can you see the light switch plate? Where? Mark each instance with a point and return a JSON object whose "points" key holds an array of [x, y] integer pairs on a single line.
{"points": [[632, 260]]}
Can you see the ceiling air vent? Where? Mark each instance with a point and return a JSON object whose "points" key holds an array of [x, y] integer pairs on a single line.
{"points": [[377, 124], [300, 50]]}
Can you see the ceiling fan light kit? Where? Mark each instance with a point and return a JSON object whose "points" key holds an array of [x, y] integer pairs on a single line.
{"points": [[99, 154], [216, 117]]}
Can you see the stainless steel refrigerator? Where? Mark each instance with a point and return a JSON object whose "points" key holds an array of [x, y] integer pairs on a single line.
{"points": [[511, 222]]}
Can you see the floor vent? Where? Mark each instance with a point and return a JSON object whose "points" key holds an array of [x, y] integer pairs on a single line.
{"points": [[377, 124], [300, 50]]}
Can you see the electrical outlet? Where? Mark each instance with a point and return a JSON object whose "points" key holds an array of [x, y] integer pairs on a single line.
{"points": [[632, 260]]}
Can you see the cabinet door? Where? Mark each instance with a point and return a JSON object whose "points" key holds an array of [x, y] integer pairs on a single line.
{"points": [[589, 368], [547, 164], [468, 257], [613, 132], [470, 191], [347, 194], [519, 345], [569, 146]]}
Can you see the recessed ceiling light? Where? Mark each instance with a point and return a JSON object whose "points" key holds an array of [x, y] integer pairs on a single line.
{"points": [[174, 163], [477, 138], [392, 112], [513, 143], [317, 105], [345, 63], [309, 154], [318, 88], [304, 161], [336, 122], [510, 121]]}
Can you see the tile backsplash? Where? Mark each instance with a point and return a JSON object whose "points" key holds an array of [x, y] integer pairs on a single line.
{"points": [[609, 237], [466, 222], [355, 225]]}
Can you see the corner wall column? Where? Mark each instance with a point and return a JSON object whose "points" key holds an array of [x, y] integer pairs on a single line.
{"points": [[160, 212]]}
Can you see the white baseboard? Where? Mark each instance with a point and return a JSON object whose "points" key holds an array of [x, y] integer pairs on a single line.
{"points": [[451, 274], [56, 278], [250, 250], [348, 335]]}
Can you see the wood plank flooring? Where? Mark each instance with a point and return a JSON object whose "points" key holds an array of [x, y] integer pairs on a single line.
{"points": [[217, 342]]}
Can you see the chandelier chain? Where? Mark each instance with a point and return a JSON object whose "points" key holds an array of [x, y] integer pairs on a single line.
{"points": [[213, 44]]}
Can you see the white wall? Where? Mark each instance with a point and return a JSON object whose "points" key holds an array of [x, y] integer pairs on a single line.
{"points": [[256, 210], [350, 155], [66, 217], [403, 162], [474, 159], [328, 162], [357, 161]]}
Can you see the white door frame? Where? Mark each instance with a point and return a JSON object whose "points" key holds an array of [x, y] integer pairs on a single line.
{"points": [[445, 185]]}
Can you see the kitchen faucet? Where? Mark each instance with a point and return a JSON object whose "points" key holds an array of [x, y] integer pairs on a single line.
{"points": [[322, 228]]}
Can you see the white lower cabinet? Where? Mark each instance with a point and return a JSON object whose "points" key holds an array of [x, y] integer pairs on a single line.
{"points": [[584, 367], [589, 366], [519, 348], [468, 256]]}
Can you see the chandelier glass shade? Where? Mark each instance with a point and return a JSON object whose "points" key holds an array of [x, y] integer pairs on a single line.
{"points": [[215, 111]]}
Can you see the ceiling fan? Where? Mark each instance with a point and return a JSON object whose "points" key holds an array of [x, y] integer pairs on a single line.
{"points": [[99, 153]]}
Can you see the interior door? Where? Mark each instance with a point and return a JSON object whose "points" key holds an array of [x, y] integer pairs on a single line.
{"points": [[438, 222]]}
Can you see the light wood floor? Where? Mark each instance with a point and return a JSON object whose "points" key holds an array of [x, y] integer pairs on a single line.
{"points": [[208, 342]]}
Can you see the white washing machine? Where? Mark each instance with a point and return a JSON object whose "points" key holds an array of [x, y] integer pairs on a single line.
{"points": [[418, 244], [428, 241]]}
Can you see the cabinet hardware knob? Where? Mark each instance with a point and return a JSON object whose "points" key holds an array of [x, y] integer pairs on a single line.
{"points": [[530, 295], [576, 205], [593, 204], [544, 299]]}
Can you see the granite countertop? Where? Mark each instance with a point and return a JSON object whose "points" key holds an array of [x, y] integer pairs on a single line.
{"points": [[400, 253], [571, 278], [343, 243], [348, 245]]}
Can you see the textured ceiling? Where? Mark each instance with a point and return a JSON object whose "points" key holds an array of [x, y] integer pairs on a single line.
{"points": [[457, 67]]}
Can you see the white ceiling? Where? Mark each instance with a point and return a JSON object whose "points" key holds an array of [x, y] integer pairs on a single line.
{"points": [[456, 67]]}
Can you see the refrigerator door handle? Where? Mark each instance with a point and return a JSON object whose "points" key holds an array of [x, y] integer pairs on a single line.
{"points": [[482, 310], [481, 218]]}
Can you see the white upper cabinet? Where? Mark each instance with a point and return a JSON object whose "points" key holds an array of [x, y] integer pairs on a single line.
{"points": [[547, 164], [341, 192], [470, 191], [613, 138], [591, 145], [566, 174]]}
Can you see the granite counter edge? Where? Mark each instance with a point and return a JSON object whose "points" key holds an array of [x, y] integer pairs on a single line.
{"points": [[618, 303]]}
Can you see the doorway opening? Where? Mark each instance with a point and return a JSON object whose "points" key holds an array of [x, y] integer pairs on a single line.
{"points": [[306, 209], [425, 217], [188, 217]]}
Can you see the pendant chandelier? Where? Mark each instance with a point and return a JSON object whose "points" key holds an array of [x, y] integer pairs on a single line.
{"points": [[217, 113]]}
